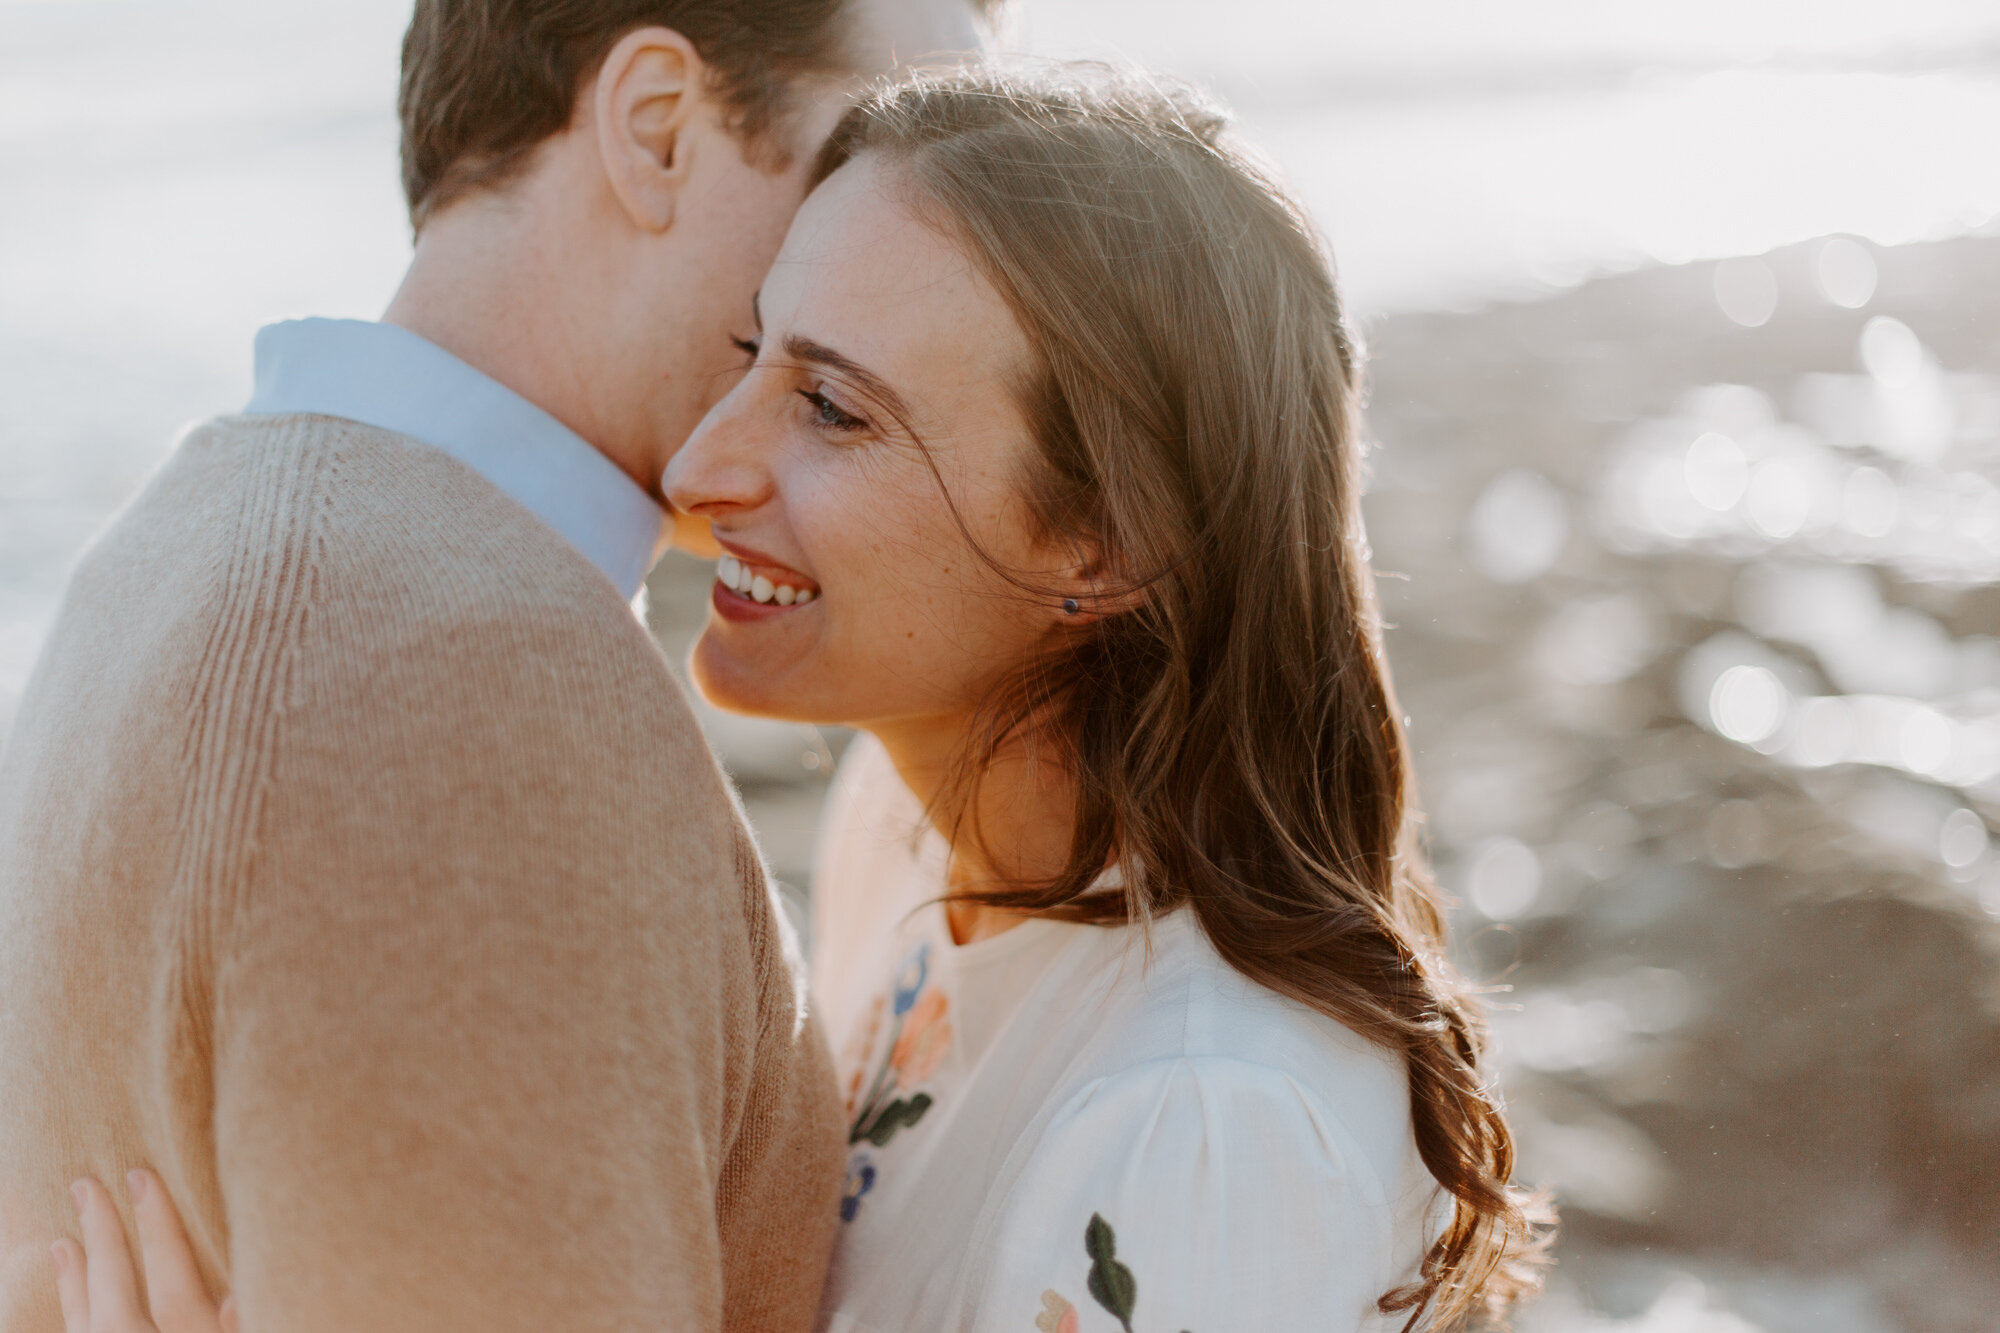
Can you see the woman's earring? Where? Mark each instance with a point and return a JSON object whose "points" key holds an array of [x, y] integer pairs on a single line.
{"points": [[1070, 607]]}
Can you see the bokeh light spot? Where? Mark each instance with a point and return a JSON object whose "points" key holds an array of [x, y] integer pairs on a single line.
{"points": [[1869, 503], [1825, 733], [1777, 498], [1517, 527], [1717, 472], [1891, 352], [1505, 878], [1846, 273], [1962, 840], [1989, 893], [1747, 291], [1748, 704], [1924, 741]]}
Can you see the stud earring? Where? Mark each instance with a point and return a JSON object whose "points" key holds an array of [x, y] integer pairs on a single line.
{"points": [[1069, 606]]}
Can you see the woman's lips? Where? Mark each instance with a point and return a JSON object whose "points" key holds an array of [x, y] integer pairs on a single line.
{"points": [[764, 583], [749, 589]]}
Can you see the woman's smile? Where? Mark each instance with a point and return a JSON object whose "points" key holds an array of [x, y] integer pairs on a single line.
{"points": [[749, 586], [862, 479]]}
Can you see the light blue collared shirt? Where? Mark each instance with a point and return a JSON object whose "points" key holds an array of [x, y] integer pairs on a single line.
{"points": [[387, 377]]}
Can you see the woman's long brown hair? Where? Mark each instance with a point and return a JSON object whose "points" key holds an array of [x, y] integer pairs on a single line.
{"points": [[1228, 724]]}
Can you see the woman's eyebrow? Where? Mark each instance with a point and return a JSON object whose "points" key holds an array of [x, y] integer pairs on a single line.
{"points": [[803, 349]]}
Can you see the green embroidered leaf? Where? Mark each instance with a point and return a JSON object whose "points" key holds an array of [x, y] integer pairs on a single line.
{"points": [[1111, 1283], [895, 1116], [1099, 1241], [887, 1123]]}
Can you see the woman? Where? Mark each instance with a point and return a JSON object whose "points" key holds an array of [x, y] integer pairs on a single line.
{"points": [[1044, 476]]}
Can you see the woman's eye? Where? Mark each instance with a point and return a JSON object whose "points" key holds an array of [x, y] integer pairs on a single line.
{"points": [[829, 415], [748, 346]]}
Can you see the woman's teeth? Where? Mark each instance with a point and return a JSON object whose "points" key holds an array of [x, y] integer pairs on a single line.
{"points": [[736, 576]]}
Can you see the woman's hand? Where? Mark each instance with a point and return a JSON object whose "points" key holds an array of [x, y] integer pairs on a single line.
{"points": [[98, 1284]]}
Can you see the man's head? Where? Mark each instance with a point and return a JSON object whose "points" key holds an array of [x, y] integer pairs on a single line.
{"points": [[599, 185], [486, 82]]}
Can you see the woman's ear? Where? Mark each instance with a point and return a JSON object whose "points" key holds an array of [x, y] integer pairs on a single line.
{"points": [[1090, 589], [648, 95]]}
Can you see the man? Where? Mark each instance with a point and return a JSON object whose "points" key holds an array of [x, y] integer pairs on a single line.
{"points": [[361, 868]]}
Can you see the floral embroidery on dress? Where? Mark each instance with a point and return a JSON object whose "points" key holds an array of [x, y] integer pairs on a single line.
{"points": [[919, 1038], [1111, 1284], [918, 1052], [860, 1179], [1057, 1316], [855, 1054]]}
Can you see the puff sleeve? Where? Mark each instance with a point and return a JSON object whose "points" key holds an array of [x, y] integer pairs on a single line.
{"points": [[1205, 1194]]}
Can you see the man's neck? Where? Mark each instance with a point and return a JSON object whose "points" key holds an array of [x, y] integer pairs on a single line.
{"points": [[482, 287]]}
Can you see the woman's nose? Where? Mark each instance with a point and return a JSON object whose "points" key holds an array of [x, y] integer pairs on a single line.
{"points": [[724, 465]]}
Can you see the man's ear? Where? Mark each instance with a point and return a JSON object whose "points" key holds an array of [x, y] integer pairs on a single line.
{"points": [[648, 95]]}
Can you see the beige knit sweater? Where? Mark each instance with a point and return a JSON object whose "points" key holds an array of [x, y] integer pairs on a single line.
{"points": [[362, 869]]}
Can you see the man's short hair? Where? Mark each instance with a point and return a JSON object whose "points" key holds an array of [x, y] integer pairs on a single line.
{"points": [[487, 81]]}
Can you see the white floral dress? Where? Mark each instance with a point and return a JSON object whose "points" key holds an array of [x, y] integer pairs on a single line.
{"points": [[1052, 1130]]}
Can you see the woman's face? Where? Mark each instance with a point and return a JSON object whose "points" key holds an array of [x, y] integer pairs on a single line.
{"points": [[849, 592]]}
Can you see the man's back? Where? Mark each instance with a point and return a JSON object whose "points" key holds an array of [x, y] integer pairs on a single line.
{"points": [[362, 870]]}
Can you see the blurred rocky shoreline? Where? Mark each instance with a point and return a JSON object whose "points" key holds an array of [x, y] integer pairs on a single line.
{"points": [[1690, 574], [1693, 609]]}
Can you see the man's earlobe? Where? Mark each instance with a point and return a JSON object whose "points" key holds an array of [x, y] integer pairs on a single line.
{"points": [[648, 93]]}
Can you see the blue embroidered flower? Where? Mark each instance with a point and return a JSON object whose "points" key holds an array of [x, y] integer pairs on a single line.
{"points": [[860, 1179], [910, 981]]}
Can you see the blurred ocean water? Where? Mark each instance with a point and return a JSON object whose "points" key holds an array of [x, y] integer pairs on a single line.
{"points": [[1686, 495], [175, 172]]}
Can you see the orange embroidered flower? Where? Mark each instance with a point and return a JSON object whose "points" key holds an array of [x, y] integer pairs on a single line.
{"points": [[861, 1037], [1057, 1316], [917, 1043], [925, 1039], [860, 1043], [854, 1089]]}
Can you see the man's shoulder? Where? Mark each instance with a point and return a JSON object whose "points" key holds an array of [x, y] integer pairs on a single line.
{"points": [[387, 506], [369, 570], [390, 540], [344, 492]]}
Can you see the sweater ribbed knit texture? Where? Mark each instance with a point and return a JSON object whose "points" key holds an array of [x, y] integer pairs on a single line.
{"points": [[362, 870]]}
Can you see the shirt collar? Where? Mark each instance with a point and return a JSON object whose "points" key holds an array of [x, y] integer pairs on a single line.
{"points": [[387, 377]]}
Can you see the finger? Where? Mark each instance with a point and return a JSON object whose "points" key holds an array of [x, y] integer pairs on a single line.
{"points": [[173, 1281], [68, 1257], [228, 1319], [113, 1286]]}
